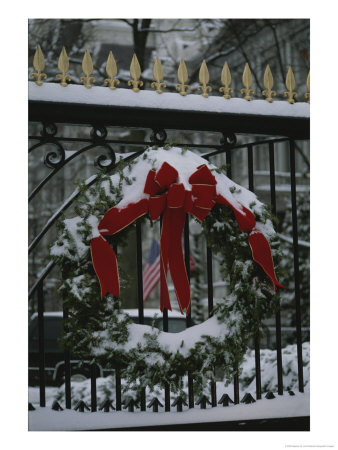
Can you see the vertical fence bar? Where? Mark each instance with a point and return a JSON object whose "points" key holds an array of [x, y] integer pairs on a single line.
{"points": [[250, 168], [139, 272], [189, 322], [41, 331], [140, 294], [118, 389], [236, 377], [117, 369], [93, 395], [296, 265], [258, 369], [228, 160], [166, 384], [236, 385], [256, 338], [68, 397], [210, 282], [166, 329], [210, 312], [278, 318]]}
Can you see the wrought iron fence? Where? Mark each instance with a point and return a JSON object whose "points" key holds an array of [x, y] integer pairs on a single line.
{"points": [[271, 130]]}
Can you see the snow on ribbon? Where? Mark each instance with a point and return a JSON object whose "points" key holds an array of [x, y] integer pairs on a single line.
{"points": [[180, 183]]}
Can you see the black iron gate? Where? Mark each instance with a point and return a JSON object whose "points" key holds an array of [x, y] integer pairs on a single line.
{"points": [[255, 131]]}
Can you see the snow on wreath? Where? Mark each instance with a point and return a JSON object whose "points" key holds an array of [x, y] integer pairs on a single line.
{"points": [[238, 228], [184, 186]]}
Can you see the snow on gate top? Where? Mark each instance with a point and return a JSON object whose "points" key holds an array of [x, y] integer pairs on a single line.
{"points": [[98, 95]]}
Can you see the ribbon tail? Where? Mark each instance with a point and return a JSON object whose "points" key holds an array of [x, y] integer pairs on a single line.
{"points": [[103, 256], [244, 217], [105, 266], [164, 292], [261, 253], [176, 218]]}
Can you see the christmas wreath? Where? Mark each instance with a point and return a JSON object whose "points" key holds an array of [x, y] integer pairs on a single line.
{"points": [[168, 182]]}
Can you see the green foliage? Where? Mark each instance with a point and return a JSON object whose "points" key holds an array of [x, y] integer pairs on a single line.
{"points": [[99, 330]]}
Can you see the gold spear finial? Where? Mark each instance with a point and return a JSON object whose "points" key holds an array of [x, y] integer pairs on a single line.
{"points": [[290, 85], [226, 81], [307, 95], [204, 80], [111, 69], [182, 76], [158, 76], [87, 69], [268, 84], [39, 65], [63, 66], [135, 73], [247, 82]]}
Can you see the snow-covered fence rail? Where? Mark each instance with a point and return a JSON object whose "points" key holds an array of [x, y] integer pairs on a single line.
{"points": [[101, 112]]}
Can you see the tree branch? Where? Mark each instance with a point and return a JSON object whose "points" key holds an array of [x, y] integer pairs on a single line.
{"points": [[279, 56]]}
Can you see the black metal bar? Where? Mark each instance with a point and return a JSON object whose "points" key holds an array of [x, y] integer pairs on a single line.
{"points": [[236, 378], [165, 328], [93, 394], [236, 385], [165, 320], [68, 397], [221, 148], [189, 321], [256, 338], [210, 282], [250, 168], [41, 331], [167, 397], [118, 389], [118, 141], [210, 311], [272, 178], [57, 112], [296, 266], [140, 294], [228, 160], [143, 399], [258, 369], [139, 272], [278, 317]]}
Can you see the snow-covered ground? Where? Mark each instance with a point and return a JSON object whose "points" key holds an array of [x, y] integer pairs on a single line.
{"points": [[67, 420]]}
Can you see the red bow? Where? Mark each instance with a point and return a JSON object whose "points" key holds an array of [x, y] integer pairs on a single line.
{"points": [[171, 199]]}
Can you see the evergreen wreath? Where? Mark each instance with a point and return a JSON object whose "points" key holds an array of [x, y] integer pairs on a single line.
{"points": [[99, 329]]}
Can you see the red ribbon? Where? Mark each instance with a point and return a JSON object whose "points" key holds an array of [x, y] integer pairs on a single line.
{"points": [[171, 199]]}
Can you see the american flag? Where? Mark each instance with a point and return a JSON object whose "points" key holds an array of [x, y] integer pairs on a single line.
{"points": [[151, 274]]}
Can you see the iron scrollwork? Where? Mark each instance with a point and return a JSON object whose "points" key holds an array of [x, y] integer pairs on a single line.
{"points": [[228, 139], [158, 137], [53, 159], [98, 135]]}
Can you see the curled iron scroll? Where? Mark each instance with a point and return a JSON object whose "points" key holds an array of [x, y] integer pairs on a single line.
{"points": [[102, 161], [159, 136], [56, 158], [228, 139]]}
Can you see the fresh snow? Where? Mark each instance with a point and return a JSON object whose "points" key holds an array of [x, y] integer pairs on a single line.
{"points": [[186, 164], [45, 419], [99, 95]]}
